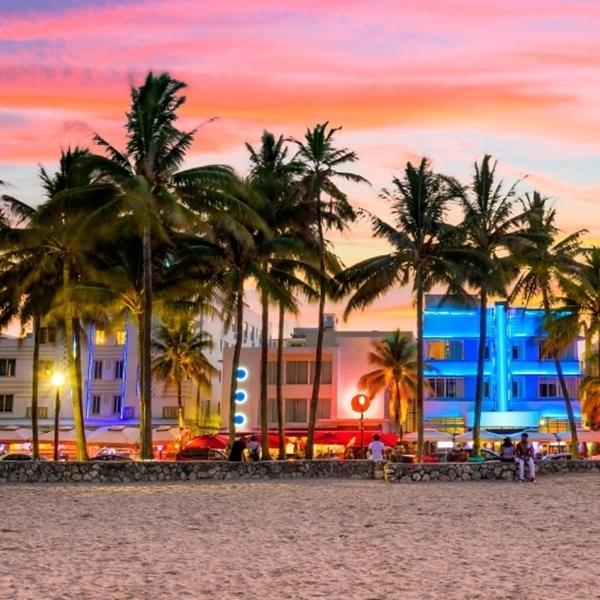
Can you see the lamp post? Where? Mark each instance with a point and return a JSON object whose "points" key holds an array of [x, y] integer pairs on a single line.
{"points": [[57, 381], [360, 403]]}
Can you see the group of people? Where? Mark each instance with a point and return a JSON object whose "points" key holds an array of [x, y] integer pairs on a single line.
{"points": [[244, 449], [457, 455], [523, 453]]}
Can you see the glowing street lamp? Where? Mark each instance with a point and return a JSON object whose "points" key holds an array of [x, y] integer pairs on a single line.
{"points": [[361, 403], [57, 380]]}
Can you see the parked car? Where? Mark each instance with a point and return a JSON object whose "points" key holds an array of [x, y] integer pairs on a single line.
{"points": [[200, 454], [558, 456], [111, 457], [19, 456]]}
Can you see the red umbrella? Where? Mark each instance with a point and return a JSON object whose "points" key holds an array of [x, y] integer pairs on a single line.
{"points": [[332, 438], [218, 441]]}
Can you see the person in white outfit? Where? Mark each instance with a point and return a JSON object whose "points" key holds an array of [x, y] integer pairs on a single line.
{"points": [[524, 452], [376, 448]]}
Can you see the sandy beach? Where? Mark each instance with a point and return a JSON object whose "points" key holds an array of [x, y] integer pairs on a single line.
{"points": [[301, 539]]}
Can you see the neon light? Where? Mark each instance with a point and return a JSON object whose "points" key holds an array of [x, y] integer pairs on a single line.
{"points": [[502, 357], [90, 367], [242, 374], [239, 419], [241, 396]]}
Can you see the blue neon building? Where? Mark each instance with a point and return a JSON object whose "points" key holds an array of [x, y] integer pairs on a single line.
{"points": [[521, 388]]}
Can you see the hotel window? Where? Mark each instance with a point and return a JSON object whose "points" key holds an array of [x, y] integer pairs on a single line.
{"points": [[117, 405], [97, 369], [100, 337], [296, 371], [518, 387], [120, 337], [324, 408], [549, 387], [272, 410], [326, 371], [119, 366], [7, 367], [271, 372], [6, 402], [486, 388], [45, 369], [447, 387], [518, 350], [568, 353], [296, 410], [96, 402], [47, 335], [445, 350]]}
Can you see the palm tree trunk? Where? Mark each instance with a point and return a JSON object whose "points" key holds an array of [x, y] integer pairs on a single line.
{"points": [[480, 367], [279, 379], [35, 386], [78, 416], [145, 338], [563, 384], [420, 391], [235, 362], [314, 399], [264, 358]]}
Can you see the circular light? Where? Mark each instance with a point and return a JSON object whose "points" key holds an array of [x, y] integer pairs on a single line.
{"points": [[239, 419], [241, 396], [242, 374], [58, 379]]}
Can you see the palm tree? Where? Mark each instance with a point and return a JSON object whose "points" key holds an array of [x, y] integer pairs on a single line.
{"points": [[589, 395], [155, 192], [423, 244], [179, 354], [396, 372], [544, 261], [492, 231], [322, 161]]}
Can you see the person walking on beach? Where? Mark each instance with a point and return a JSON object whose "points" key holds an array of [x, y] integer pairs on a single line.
{"points": [[236, 454], [524, 452], [507, 451], [376, 448]]}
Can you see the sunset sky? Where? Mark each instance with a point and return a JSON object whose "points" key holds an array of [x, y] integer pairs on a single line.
{"points": [[448, 79]]}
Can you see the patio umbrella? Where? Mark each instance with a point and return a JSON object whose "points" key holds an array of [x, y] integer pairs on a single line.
{"points": [[534, 436], [114, 436], [66, 435], [332, 438], [15, 435], [583, 435], [218, 441], [484, 436], [167, 435], [429, 435]]}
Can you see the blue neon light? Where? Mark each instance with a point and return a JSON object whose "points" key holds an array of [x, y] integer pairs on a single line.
{"points": [[242, 374], [239, 419], [241, 396]]}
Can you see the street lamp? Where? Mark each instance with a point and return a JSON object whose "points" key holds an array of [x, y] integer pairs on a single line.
{"points": [[360, 403], [57, 381]]}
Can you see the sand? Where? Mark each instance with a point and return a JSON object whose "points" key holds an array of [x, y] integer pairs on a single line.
{"points": [[301, 539]]}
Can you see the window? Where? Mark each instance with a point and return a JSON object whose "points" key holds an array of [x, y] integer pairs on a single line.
{"points": [[169, 412], [446, 387], [324, 408], [45, 369], [119, 365], [445, 350], [486, 388], [296, 410], [518, 387], [96, 402], [6, 402], [326, 370], [296, 371], [100, 337], [117, 404], [7, 367], [271, 372], [97, 369], [120, 337], [272, 410], [549, 387], [568, 353], [47, 335], [42, 412], [518, 350]]}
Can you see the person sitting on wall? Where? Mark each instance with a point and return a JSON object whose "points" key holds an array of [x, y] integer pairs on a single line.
{"points": [[463, 455], [452, 455], [507, 451]]}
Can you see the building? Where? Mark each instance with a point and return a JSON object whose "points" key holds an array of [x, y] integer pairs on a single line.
{"points": [[344, 362], [521, 386], [110, 377]]}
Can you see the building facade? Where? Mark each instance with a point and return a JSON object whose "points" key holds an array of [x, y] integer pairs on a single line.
{"points": [[109, 362], [521, 387], [344, 362]]}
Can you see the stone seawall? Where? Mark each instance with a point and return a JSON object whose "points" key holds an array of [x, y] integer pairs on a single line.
{"points": [[128, 472]]}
